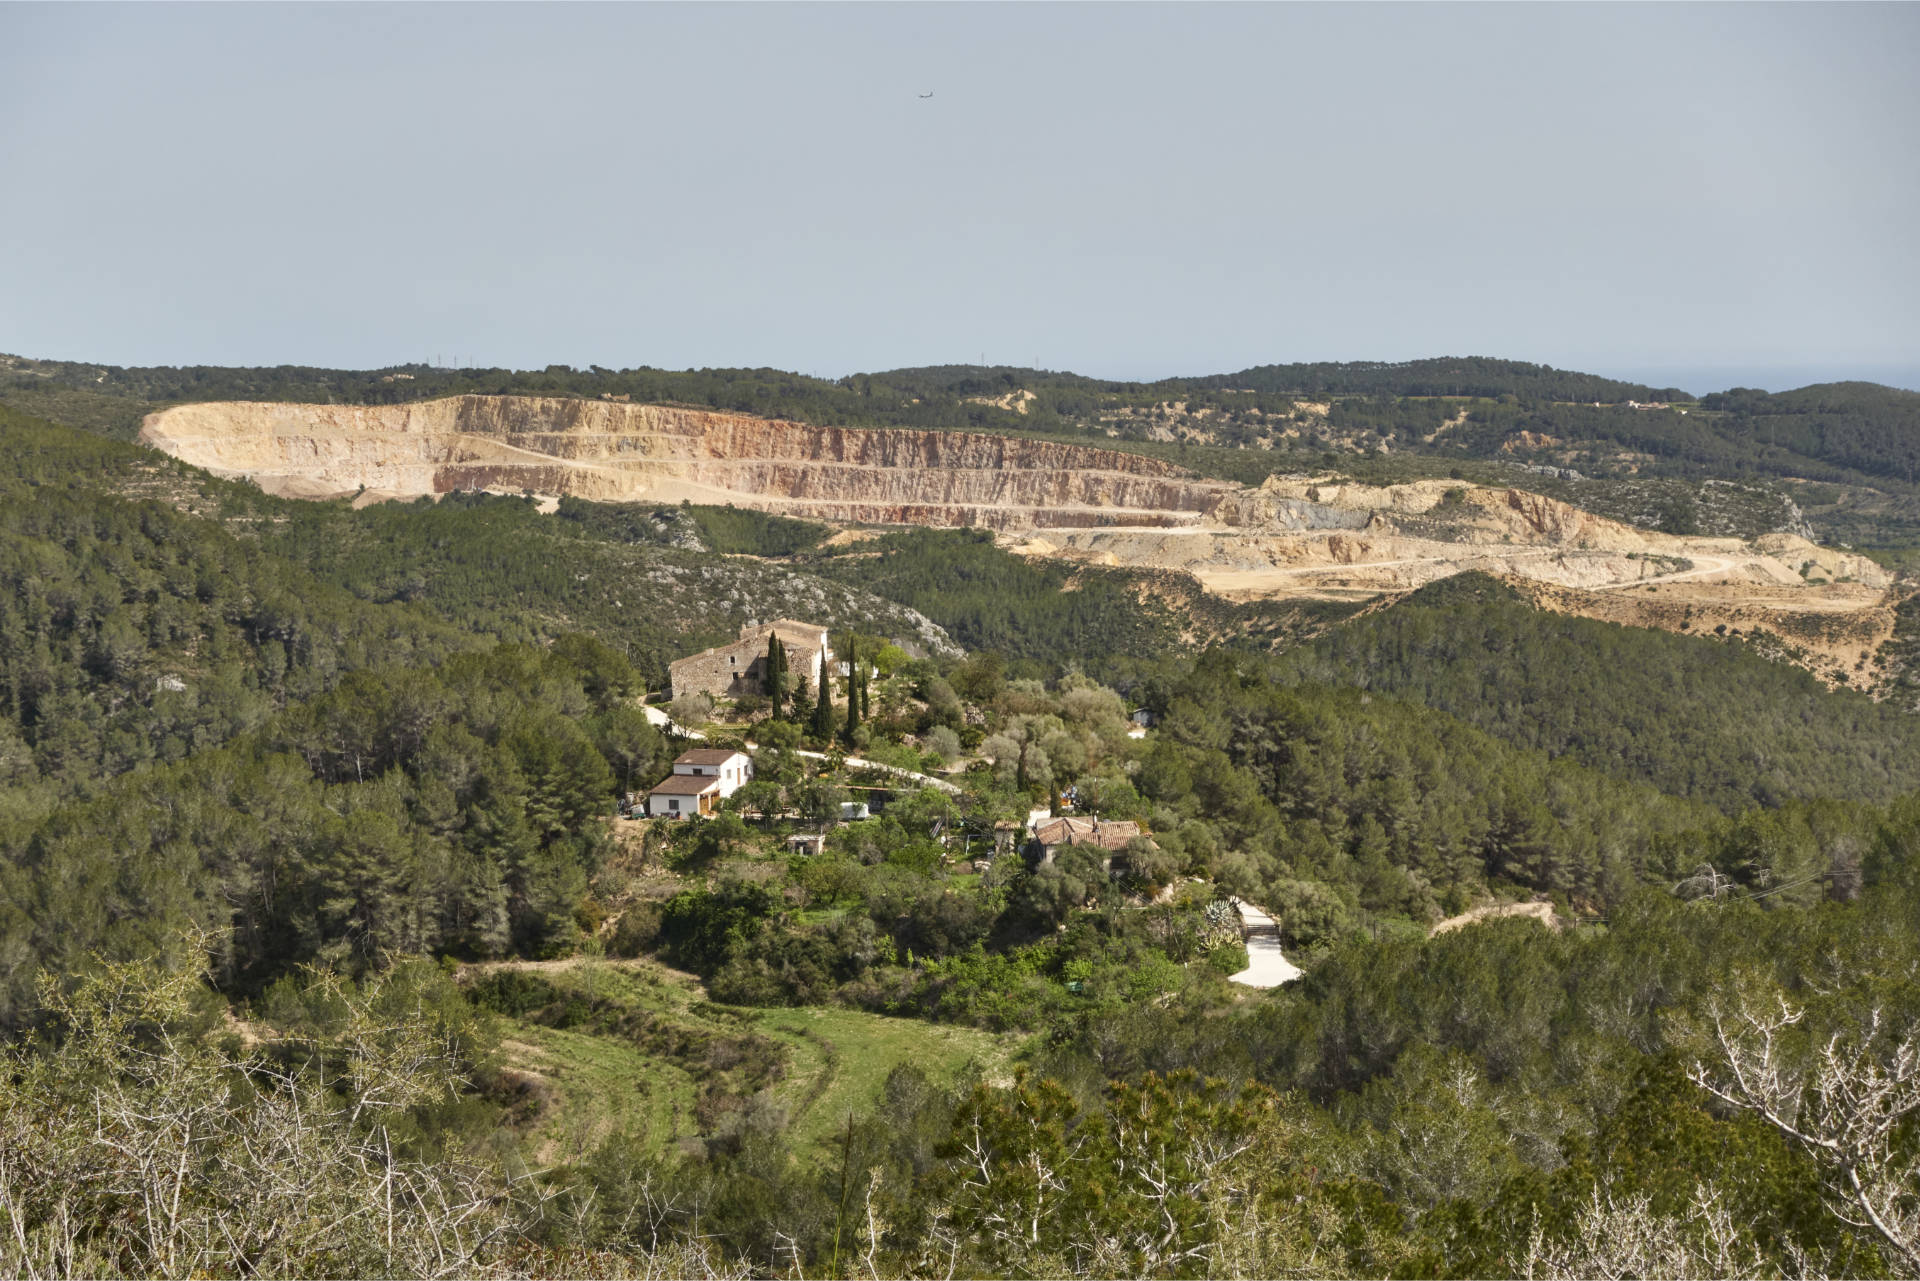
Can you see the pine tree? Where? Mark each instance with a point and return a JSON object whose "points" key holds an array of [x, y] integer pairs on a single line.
{"points": [[800, 700]]}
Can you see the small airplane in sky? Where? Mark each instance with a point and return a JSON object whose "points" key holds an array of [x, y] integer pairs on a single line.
{"points": [[926, 95]]}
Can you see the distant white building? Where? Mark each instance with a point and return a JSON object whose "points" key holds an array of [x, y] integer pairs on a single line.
{"points": [[701, 779]]}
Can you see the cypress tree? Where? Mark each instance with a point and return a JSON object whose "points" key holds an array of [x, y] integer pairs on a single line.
{"points": [[853, 690], [823, 710], [776, 678]]}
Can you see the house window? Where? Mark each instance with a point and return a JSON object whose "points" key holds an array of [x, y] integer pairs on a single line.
{"points": [[673, 805]]}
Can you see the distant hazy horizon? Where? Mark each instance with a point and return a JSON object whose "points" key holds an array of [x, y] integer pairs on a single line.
{"points": [[1701, 380], [1698, 381], [1698, 196]]}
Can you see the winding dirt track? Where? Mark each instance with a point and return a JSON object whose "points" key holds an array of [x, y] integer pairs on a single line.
{"points": [[1713, 565]]}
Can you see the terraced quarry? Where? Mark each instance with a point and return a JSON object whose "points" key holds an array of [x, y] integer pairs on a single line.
{"points": [[1291, 537], [1330, 539], [651, 453]]}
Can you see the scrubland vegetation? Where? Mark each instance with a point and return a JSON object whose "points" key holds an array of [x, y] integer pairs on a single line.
{"points": [[325, 948]]}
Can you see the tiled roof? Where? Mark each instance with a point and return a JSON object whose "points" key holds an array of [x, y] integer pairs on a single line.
{"points": [[686, 785], [800, 634], [1086, 831], [706, 756]]}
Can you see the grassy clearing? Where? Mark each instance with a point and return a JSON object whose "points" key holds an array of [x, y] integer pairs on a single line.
{"points": [[591, 1087], [841, 1058], [589, 1082]]}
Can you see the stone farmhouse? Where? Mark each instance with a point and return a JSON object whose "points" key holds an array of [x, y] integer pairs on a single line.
{"points": [[1053, 833], [1111, 838], [739, 669], [701, 779]]}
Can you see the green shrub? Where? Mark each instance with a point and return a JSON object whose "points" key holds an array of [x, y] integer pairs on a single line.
{"points": [[637, 930], [1229, 958]]}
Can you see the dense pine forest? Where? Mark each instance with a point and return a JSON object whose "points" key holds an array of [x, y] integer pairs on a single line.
{"points": [[330, 943]]}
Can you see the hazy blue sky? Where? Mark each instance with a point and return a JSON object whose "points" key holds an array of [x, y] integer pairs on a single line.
{"points": [[1700, 195]]}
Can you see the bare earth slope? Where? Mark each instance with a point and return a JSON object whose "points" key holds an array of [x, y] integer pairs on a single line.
{"points": [[650, 453], [1330, 539], [1827, 610]]}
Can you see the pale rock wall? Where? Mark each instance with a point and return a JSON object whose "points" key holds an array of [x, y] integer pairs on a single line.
{"points": [[615, 452]]}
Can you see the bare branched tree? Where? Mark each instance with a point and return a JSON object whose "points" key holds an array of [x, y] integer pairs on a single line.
{"points": [[1847, 1108], [1617, 1239], [130, 1147]]}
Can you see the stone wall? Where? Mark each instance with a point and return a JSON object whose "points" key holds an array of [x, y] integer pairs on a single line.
{"points": [[740, 669]]}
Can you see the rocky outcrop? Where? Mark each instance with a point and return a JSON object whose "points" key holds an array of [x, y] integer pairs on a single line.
{"points": [[653, 453], [1556, 522]]}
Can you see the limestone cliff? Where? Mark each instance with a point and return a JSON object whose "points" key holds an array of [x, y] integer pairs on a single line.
{"points": [[652, 453]]}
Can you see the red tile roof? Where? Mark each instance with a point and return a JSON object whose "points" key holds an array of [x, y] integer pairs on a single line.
{"points": [[1086, 831]]}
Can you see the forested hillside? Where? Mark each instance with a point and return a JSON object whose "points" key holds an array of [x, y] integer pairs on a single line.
{"points": [[658, 582], [1863, 426], [131, 632], [332, 943], [1693, 717], [1475, 377], [1053, 616]]}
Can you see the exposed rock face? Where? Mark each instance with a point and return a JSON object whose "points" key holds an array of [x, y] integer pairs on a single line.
{"points": [[616, 452], [1302, 537], [1293, 536]]}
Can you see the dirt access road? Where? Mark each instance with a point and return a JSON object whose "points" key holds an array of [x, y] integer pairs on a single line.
{"points": [[661, 720], [1701, 566], [1266, 966]]}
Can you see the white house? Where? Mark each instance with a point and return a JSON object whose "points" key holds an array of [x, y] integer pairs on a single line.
{"points": [[701, 779]]}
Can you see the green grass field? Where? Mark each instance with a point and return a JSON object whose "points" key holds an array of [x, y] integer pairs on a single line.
{"points": [[841, 1058], [588, 1085]]}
